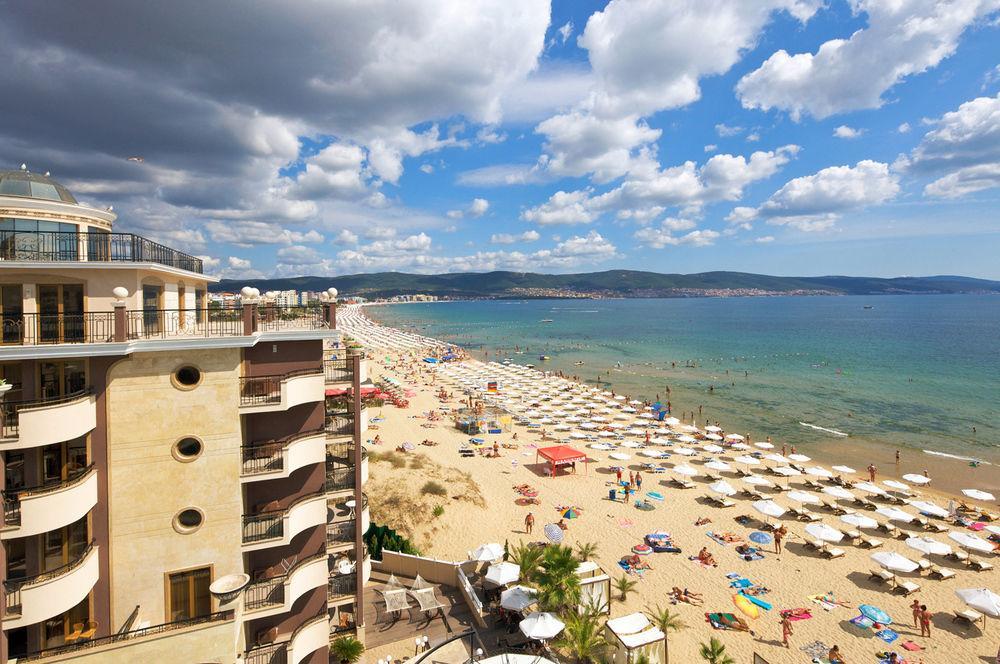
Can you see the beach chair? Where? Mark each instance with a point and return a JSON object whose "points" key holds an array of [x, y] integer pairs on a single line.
{"points": [[683, 484], [943, 573], [988, 516], [959, 555], [924, 564], [970, 616], [889, 528], [813, 484], [935, 527], [712, 476], [980, 565], [806, 515], [835, 552], [819, 545], [871, 542], [881, 575], [852, 535], [908, 587]]}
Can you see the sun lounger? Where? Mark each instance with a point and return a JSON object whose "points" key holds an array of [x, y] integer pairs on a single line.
{"points": [[908, 587], [813, 484], [871, 542], [720, 501], [970, 616], [924, 564], [684, 484], [960, 556], [852, 534], [881, 575], [805, 515], [937, 527], [835, 552], [942, 573], [889, 528], [712, 476], [980, 565], [819, 545]]}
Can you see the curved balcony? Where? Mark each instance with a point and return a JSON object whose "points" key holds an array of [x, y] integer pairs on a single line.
{"points": [[266, 394], [38, 598], [268, 597], [340, 530], [50, 506], [278, 527], [281, 458], [309, 637], [41, 422]]}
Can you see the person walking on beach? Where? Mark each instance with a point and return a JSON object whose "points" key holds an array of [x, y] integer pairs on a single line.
{"points": [[872, 471], [925, 621], [786, 630], [915, 607], [631, 478], [618, 474], [638, 481], [897, 457], [529, 522], [778, 534]]}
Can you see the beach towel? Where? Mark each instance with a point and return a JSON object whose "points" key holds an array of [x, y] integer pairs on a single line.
{"points": [[741, 583], [796, 614], [759, 602], [911, 646], [715, 619], [625, 523], [862, 622], [887, 635], [822, 602], [816, 650], [716, 538], [733, 575]]}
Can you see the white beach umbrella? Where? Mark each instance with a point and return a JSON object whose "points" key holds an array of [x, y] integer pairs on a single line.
{"points": [[713, 429], [631, 444], [690, 428], [847, 470], [654, 454], [928, 545], [764, 446], [739, 446], [860, 521], [685, 469], [541, 626], [757, 480], [503, 573], [897, 485], [722, 487], [982, 600], [491, 551], [604, 447], [785, 471], [720, 466], [816, 471], [734, 436], [868, 487], [970, 541], [927, 507], [895, 514], [824, 532], [685, 451], [993, 529], [713, 436], [804, 497], [619, 456], [576, 435], [977, 494], [635, 402], [768, 508], [894, 562], [838, 492], [712, 449], [747, 460], [914, 478], [671, 421], [606, 434], [801, 458], [775, 457]]}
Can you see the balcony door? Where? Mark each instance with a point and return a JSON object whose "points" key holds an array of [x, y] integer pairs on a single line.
{"points": [[12, 313], [64, 545], [187, 594], [56, 629], [60, 313], [152, 297], [61, 378], [61, 461]]}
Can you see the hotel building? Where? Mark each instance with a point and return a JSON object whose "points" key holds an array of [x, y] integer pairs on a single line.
{"points": [[151, 445]]}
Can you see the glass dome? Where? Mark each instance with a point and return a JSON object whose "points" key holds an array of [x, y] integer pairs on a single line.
{"points": [[33, 185]]}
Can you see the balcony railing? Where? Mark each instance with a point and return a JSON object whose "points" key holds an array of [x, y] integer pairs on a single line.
{"points": [[338, 370], [266, 390], [263, 526], [340, 533], [339, 479], [10, 410], [125, 636], [271, 318], [39, 329], [340, 423], [346, 584], [12, 497], [265, 592], [168, 323], [268, 653], [50, 246], [13, 587]]}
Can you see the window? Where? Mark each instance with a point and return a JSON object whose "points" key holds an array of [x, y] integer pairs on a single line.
{"points": [[64, 545], [187, 376], [151, 296], [55, 630], [187, 594], [27, 239], [188, 520], [61, 378], [60, 312], [187, 449], [11, 313]]}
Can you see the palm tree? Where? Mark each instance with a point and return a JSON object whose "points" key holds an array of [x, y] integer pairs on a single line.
{"points": [[585, 550], [624, 585], [527, 558], [714, 652], [346, 649], [667, 621], [583, 636], [557, 581]]}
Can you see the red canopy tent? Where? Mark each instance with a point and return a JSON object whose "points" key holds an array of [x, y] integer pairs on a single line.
{"points": [[560, 455], [346, 391]]}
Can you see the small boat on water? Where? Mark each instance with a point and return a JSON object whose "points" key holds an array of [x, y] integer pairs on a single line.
{"points": [[869, 306], [579, 364], [530, 366], [546, 320], [543, 357]]}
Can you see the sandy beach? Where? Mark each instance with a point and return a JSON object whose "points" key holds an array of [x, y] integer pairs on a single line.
{"points": [[480, 506]]}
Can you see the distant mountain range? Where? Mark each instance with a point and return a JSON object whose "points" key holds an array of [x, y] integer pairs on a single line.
{"points": [[612, 283]]}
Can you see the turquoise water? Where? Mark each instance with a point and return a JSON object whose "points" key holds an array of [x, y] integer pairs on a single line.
{"points": [[913, 372]]}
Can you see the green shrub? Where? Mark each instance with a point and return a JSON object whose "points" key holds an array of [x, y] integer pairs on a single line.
{"points": [[432, 488], [438, 510]]}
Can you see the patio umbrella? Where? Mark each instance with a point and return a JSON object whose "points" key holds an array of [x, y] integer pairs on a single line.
{"points": [[739, 446], [868, 487], [914, 478], [768, 508], [775, 457], [654, 454], [620, 456], [713, 436], [860, 521], [824, 532], [604, 447], [976, 494], [491, 551], [970, 541], [928, 545], [712, 449], [758, 537], [801, 458], [804, 497], [734, 436], [722, 487], [982, 600], [898, 486], [875, 614], [764, 446], [747, 459], [927, 507], [757, 480], [685, 469], [684, 451], [895, 514], [631, 444], [713, 429], [894, 562], [570, 513], [720, 466], [838, 492], [847, 470], [684, 438], [541, 626], [816, 471], [785, 471], [553, 533], [503, 573]]}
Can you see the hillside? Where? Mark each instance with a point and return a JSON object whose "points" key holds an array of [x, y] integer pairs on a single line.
{"points": [[613, 283]]}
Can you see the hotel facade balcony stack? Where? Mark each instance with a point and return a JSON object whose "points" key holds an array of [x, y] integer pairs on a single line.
{"points": [[151, 444]]}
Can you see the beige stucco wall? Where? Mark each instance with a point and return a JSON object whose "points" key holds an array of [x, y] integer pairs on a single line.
{"points": [[213, 642], [147, 486]]}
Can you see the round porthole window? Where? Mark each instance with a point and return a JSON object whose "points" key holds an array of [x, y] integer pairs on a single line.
{"points": [[187, 449], [188, 520], [187, 377]]}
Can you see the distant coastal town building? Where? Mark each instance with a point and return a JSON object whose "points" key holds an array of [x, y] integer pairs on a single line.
{"points": [[182, 472]]}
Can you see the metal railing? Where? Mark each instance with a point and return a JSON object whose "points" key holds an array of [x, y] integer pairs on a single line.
{"points": [[13, 587], [338, 370], [266, 390], [269, 457], [267, 653], [168, 323], [341, 533], [98, 247], [126, 636], [272, 318], [341, 452], [12, 497], [345, 584], [10, 410], [340, 424], [40, 329], [265, 592], [339, 479], [263, 526]]}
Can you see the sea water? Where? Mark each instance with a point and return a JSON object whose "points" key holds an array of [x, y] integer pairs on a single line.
{"points": [[919, 373]]}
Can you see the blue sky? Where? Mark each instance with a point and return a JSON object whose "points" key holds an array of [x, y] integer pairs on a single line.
{"points": [[791, 137]]}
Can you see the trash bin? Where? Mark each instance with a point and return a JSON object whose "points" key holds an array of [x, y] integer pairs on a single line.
{"points": [[612, 494]]}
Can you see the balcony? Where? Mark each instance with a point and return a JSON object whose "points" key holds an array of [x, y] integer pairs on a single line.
{"points": [[342, 587], [267, 653], [265, 394], [309, 637], [55, 247], [339, 370], [268, 597], [25, 424], [274, 528], [280, 458], [49, 506], [340, 423], [34, 599]]}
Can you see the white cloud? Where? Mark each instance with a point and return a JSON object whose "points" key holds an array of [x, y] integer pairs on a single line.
{"points": [[490, 135], [903, 38], [903, 128], [298, 254], [210, 263], [562, 208], [724, 130], [753, 137], [711, 147], [764, 239], [238, 263], [478, 207], [455, 214], [965, 181], [663, 236], [426, 168], [843, 131], [506, 238], [565, 31], [251, 233], [346, 236], [501, 174], [579, 143]]}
